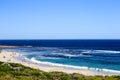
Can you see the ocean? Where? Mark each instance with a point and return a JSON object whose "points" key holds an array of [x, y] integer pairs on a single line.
{"points": [[99, 55]]}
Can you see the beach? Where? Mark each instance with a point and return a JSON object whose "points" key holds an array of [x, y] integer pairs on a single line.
{"points": [[10, 57], [14, 57]]}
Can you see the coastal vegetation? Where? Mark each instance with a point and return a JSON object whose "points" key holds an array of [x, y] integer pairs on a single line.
{"points": [[10, 71]]}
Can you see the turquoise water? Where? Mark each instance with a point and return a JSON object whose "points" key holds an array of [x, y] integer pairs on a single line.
{"points": [[85, 54], [88, 59]]}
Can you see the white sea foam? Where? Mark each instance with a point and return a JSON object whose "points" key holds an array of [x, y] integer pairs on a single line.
{"points": [[100, 51], [59, 65], [76, 67], [28, 46], [106, 51], [70, 55]]}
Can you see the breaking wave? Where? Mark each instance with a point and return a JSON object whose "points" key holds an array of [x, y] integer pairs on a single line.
{"points": [[100, 51], [68, 55], [76, 67]]}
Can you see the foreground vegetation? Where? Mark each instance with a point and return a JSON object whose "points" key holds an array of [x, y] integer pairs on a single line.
{"points": [[20, 72]]}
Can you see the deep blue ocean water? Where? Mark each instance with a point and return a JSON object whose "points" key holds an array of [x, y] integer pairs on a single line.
{"points": [[102, 54]]}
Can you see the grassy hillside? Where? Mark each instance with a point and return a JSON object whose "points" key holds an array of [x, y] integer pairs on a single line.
{"points": [[11, 71]]}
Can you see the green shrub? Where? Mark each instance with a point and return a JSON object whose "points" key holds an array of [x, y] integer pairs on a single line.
{"points": [[6, 73], [112, 78]]}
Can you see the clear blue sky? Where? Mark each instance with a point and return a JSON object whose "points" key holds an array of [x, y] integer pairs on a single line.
{"points": [[59, 19]]}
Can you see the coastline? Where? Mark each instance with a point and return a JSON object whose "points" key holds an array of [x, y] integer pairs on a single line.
{"points": [[13, 57], [5, 46]]}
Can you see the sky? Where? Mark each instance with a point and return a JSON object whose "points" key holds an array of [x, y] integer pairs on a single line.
{"points": [[59, 19]]}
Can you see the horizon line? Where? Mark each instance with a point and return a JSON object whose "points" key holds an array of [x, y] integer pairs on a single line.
{"points": [[59, 39]]}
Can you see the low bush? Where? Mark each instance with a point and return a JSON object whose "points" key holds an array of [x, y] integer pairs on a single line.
{"points": [[6, 73]]}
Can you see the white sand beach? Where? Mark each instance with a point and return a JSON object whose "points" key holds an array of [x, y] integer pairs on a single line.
{"points": [[9, 56], [14, 57]]}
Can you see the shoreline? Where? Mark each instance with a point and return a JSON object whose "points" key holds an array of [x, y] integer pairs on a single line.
{"points": [[13, 57], [5, 46]]}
